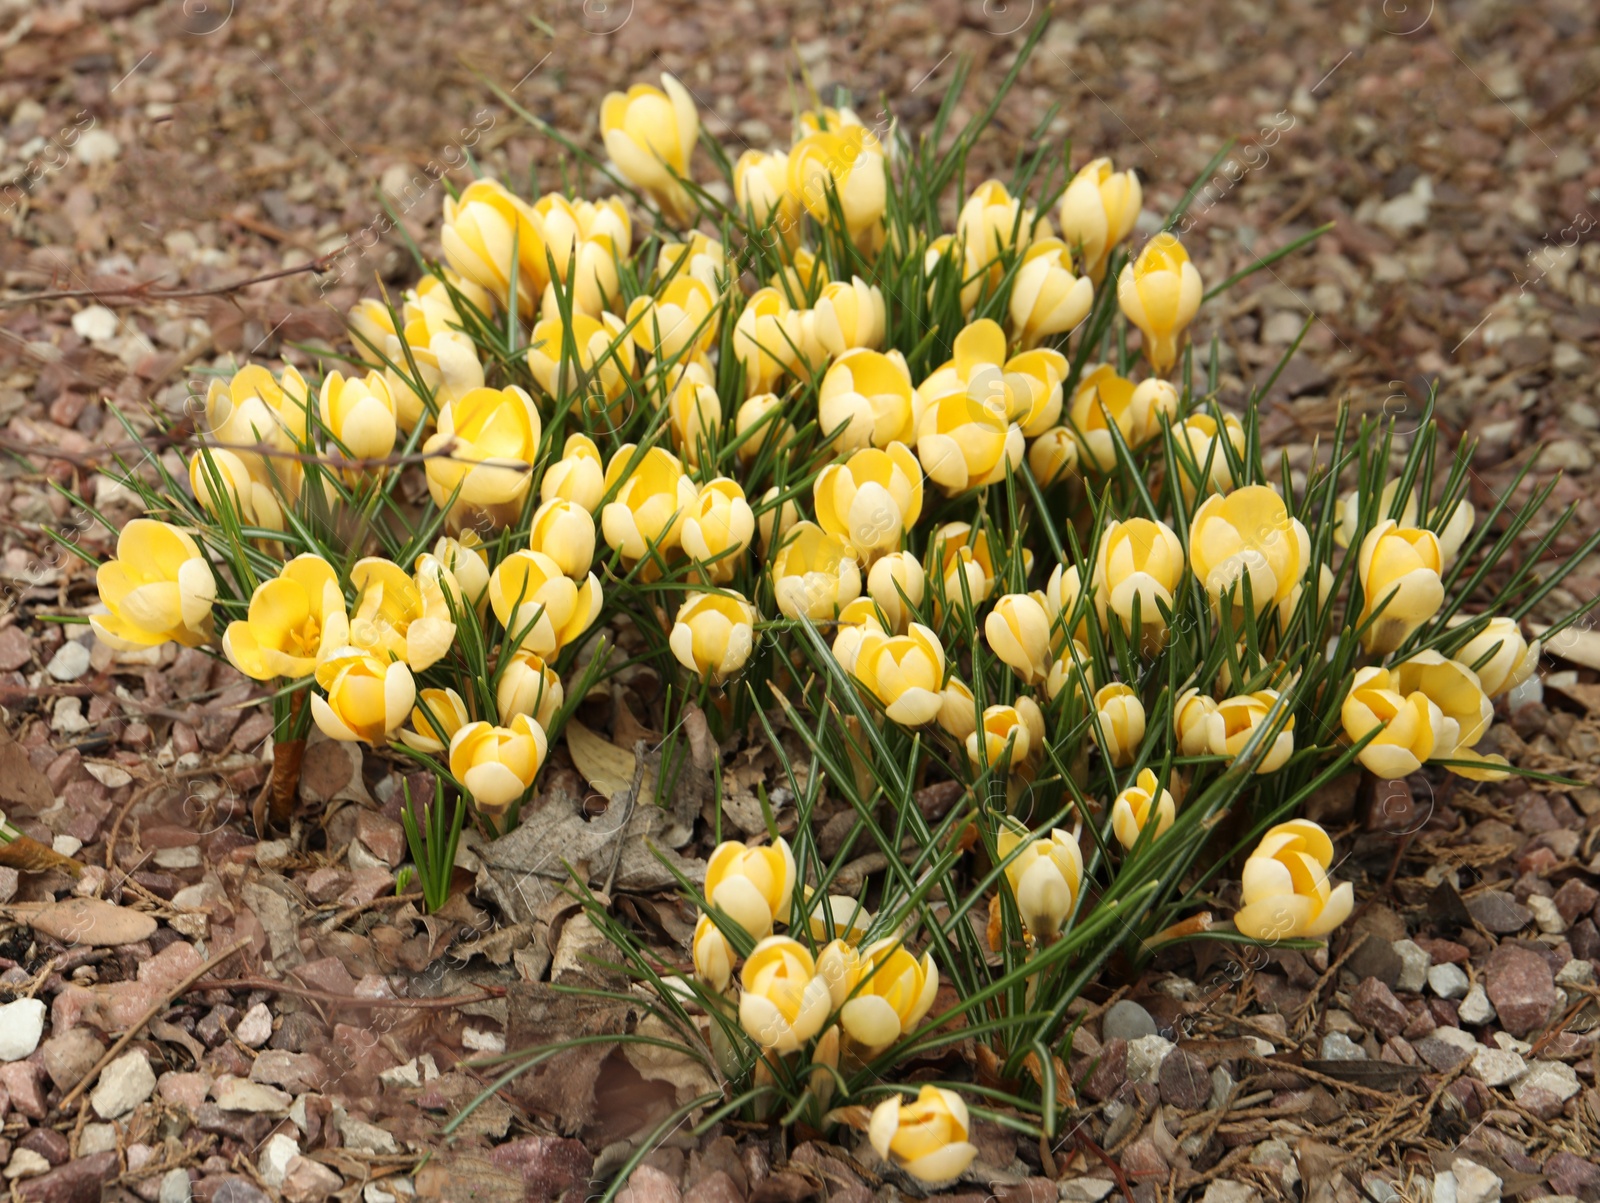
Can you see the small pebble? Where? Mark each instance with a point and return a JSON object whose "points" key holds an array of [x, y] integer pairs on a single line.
{"points": [[1414, 962], [21, 1026], [70, 662], [1336, 1046], [1126, 1020], [1476, 1009], [1448, 981]]}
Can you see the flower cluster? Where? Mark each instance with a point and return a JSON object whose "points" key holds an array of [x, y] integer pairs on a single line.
{"points": [[945, 505]]}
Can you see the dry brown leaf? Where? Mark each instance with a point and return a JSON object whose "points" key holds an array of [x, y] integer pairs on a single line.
{"points": [[687, 1075], [29, 855], [608, 768], [20, 783]]}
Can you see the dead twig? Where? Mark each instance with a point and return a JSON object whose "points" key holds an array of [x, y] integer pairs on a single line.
{"points": [[350, 1000], [147, 291]]}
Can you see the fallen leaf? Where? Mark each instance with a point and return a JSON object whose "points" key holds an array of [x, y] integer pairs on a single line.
{"points": [[28, 854], [538, 1015], [1578, 644], [605, 766], [92, 922], [20, 783], [685, 1073]]}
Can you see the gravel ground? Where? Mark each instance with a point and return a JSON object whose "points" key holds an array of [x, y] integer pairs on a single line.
{"points": [[153, 155]]}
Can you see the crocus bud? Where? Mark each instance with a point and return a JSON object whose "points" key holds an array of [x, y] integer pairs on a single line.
{"points": [[1044, 875], [437, 716], [468, 563], [964, 442], [785, 1001], [753, 887], [849, 316], [1248, 534], [1120, 726], [1203, 463], [359, 414], [1139, 566], [1287, 893], [766, 338], [856, 621], [367, 700], [896, 584], [1352, 518], [294, 621], [958, 711], [649, 134], [991, 223], [1191, 722], [1401, 589], [1003, 728], [1018, 631], [564, 531], [577, 476], [1160, 292], [694, 411], [1409, 726], [713, 955], [1098, 210], [1466, 709], [586, 240], [1046, 298], [1237, 721], [1453, 531], [540, 607], [480, 461], [870, 499], [158, 588], [760, 424], [490, 237], [1499, 654], [700, 257], [893, 993], [841, 917], [678, 319], [1071, 666], [498, 764], [814, 573], [717, 528], [589, 352], [714, 634], [847, 163], [905, 673], [246, 483], [651, 499], [1141, 804], [928, 1138], [776, 518], [761, 186], [959, 557], [1105, 400], [254, 408], [529, 686], [866, 400]]}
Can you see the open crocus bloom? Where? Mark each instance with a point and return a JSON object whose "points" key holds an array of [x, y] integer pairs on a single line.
{"points": [[1287, 893], [1411, 723], [158, 588], [480, 461], [927, 1138], [295, 620], [892, 994], [785, 1001], [904, 672], [368, 698]]}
